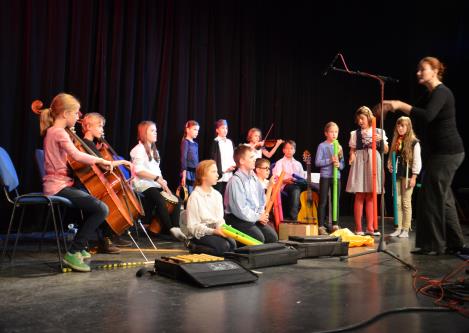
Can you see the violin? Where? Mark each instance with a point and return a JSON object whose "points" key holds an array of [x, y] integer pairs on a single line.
{"points": [[267, 143], [270, 143]]}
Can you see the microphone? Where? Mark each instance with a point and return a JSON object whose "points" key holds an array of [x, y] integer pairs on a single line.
{"points": [[330, 65], [388, 79]]}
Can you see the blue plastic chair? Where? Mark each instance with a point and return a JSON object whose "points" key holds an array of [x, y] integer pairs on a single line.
{"points": [[9, 181], [122, 168], [39, 156]]}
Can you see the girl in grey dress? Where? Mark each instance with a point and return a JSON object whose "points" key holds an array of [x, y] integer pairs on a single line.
{"points": [[360, 174]]}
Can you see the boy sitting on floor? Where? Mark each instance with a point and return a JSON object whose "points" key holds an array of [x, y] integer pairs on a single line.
{"points": [[245, 199]]}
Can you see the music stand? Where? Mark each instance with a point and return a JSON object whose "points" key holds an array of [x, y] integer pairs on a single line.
{"points": [[381, 79]]}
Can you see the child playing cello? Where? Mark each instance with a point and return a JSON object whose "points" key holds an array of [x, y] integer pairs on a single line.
{"points": [[58, 147]]}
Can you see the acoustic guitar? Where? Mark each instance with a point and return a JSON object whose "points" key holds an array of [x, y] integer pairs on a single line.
{"points": [[308, 199]]}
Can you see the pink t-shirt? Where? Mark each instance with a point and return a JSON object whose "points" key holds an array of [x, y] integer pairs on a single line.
{"points": [[57, 147]]}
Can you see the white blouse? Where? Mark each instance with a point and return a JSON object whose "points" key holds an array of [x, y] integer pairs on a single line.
{"points": [[204, 212], [366, 137], [226, 156], [141, 163]]}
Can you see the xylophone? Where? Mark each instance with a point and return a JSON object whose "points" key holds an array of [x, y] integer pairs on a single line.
{"points": [[190, 258], [203, 269]]}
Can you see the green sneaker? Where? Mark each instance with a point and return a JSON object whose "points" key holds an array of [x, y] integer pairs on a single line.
{"points": [[85, 254], [75, 261]]}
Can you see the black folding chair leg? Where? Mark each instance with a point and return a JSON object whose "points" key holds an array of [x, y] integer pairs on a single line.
{"points": [[18, 234], [61, 220], [5, 246], [46, 224], [57, 238]]}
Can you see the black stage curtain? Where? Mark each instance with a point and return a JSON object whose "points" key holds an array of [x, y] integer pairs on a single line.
{"points": [[251, 62]]}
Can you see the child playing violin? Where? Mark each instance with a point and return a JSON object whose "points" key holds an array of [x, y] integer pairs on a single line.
{"points": [[254, 140]]}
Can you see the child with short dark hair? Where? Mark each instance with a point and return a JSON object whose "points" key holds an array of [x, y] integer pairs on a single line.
{"points": [[291, 167], [222, 152], [262, 170]]}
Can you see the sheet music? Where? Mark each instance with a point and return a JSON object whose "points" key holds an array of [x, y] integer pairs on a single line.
{"points": [[315, 176]]}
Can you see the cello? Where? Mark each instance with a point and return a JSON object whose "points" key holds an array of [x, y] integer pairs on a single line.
{"points": [[105, 186], [110, 154]]}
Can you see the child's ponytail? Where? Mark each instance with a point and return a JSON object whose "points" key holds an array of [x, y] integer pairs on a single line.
{"points": [[61, 103], [46, 120]]}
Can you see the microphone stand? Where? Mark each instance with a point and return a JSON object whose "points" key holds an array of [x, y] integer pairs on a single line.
{"points": [[382, 244]]}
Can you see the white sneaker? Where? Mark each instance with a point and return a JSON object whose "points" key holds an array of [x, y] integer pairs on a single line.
{"points": [[404, 234], [396, 233], [376, 233], [178, 234], [360, 233]]}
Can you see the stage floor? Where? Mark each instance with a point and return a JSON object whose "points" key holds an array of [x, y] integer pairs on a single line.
{"points": [[313, 295]]}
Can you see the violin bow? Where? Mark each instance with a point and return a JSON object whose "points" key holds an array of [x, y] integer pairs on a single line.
{"points": [[268, 132]]}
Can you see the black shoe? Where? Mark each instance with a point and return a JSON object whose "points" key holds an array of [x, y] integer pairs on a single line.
{"points": [[464, 250], [458, 250], [121, 242], [424, 252], [106, 246]]}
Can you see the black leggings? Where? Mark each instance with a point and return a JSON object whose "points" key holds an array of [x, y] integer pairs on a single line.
{"points": [[215, 245], [95, 211], [154, 199], [324, 185]]}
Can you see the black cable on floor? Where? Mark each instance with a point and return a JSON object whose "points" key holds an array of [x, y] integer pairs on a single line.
{"points": [[383, 314]]}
